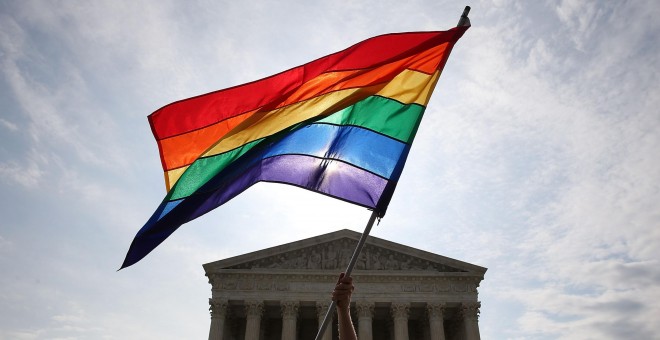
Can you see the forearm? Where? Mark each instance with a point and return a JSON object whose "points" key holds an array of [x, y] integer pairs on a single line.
{"points": [[346, 330]]}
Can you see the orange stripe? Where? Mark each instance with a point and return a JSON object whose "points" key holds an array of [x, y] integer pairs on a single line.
{"points": [[184, 149]]}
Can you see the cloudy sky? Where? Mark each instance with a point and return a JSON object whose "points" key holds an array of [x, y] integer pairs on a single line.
{"points": [[538, 158]]}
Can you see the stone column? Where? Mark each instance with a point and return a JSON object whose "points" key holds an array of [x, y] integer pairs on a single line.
{"points": [[321, 310], [426, 329], [218, 310], [289, 318], [436, 320], [400, 317], [365, 311], [253, 312], [470, 314]]}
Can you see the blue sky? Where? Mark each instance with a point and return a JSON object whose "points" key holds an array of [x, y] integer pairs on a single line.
{"points": [[537, 158]]}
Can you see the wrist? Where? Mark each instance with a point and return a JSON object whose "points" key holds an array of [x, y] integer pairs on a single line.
{"points": [[344, 308]]}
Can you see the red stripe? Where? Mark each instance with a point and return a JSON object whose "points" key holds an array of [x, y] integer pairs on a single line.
{"points": [[197, 112]]}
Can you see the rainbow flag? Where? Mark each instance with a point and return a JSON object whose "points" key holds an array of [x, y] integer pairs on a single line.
{"points": [[341, 125]]}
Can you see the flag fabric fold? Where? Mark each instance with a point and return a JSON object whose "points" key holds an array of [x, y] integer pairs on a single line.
{"points": [[341, 125]]}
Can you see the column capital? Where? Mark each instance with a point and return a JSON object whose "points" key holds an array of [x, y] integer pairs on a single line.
{"points": [[289, 309], [435, 309], [322, 308], [254, 308], [400, 317], [289, 318], [218, 308], [365, 309], [470, 310], [400, 310]]}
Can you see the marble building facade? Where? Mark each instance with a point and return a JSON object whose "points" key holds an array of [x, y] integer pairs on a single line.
{"points": [[402, 293]]}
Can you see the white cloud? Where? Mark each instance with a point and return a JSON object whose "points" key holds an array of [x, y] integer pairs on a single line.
{"points": [[8, 125], [54, 96], [27, 173]]}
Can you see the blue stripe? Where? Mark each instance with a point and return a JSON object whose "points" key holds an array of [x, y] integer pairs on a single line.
{"points": [[360, 147]]}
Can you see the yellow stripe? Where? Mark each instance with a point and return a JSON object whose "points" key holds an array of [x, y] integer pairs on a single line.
{"points": [[411, 87], [407, 87], [171, 176]]}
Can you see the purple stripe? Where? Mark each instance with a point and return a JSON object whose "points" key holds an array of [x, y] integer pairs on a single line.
{"points": [[330, 177]]}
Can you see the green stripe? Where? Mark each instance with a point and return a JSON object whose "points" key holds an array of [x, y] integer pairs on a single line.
{"points": [[382, 115], [203, 170]]}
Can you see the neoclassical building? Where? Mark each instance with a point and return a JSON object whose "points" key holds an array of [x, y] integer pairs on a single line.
{"points": [[402, 293]]}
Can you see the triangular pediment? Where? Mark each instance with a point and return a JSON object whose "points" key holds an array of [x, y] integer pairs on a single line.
{"points": [[333, 251]]}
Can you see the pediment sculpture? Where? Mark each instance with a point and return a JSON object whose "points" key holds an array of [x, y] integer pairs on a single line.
{"points": [[336, 254]]}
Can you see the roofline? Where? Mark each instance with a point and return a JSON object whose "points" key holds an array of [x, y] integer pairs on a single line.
{"points": [[335, 235]]}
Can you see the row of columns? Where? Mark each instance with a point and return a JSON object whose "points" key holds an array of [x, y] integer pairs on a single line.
{"points": [[365, 312]]}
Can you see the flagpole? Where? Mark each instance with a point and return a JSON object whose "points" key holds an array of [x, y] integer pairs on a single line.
{"points": [[349, 269], [463, 21]]}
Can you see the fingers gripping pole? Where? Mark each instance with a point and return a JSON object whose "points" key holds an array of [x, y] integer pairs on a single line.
{"points": [[349, 269]]}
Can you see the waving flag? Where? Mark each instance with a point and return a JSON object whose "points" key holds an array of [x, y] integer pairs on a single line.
{"points": [[341, 125]]}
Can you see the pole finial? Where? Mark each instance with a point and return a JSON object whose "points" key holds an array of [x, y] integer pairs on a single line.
{"points": [[464, 20]]}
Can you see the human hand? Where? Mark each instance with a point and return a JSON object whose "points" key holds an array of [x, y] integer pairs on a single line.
{"points": [[343, 290]]}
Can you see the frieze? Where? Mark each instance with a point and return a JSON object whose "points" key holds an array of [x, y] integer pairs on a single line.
{"points": [[313, 283], [426, 288], [335, 255], [282, 286], [228, 284], [309, 286], [460, 287], [245, 285], [264, 285], [443, 286], [408, 288]]}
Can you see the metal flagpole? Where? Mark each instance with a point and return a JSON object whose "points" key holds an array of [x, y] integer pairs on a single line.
{"points": [[348, 271], [463, 21]]}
